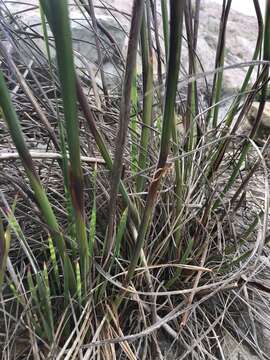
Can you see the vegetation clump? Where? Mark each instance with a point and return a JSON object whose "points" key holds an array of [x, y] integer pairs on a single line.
{"points": [[132, 220]]}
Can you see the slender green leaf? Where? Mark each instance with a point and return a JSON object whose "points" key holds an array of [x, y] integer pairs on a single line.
{"points": [[58, 18]]}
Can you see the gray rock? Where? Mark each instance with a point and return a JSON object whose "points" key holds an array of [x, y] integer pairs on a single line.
{"points": [[233, 350], [32, 47], [240, 40], [265, 119], [84, 39], [264, 128]]}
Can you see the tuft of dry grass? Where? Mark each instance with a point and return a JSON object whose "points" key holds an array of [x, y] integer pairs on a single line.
{"points": [[168, 255]]}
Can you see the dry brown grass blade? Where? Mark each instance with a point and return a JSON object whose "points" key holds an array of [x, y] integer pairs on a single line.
{"points": [[118, 332], [73, 344], [31, 97], [47, 155], [124, 118], [196, 283]]}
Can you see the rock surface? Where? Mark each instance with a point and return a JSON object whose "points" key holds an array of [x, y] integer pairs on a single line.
{"points": [[264, 128], [236, 351], [84, 39], [240, 41]]}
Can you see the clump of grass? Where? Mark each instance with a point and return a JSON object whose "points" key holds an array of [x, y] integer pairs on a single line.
{"points": [[124, 232]]}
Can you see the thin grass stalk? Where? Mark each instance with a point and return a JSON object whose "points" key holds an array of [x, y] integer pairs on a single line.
{"points": [[220, 62], [158, 48], [195, 41], [189, 134], [91, 122], [137, 13], [41, 323], [48, 53], [176, 28], [192, 100], [53, 261], [79, 282], [4, 249], [266, 46], [196, 23], [147, 64], [218, 77], [178, 184], [93, 217], [48, 298], [178, 165], [160, 61], [59, 21], [120, 233], [65, 162], [13, 225], [191, 137], [175, 137], [44, 295], [165, 26], [134, 127]]}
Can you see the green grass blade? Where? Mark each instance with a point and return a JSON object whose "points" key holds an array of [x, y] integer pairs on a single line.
{"points": [[148, 77], [17, 230], [54, 263], [124, 118], [120, 232], [178, 185], [176, 27], [165, 26], [13, 124], [218, 78], [57, 15], [45, 296], [64, 161], [134, 120], [79, 282], [93, 219], [39, 315], [4, 249]]}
